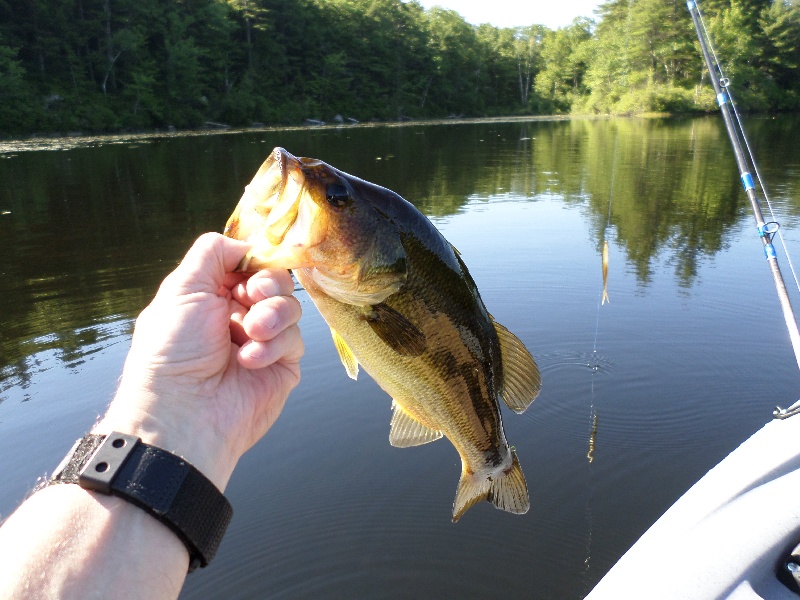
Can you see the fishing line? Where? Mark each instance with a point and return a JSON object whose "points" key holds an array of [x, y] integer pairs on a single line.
{"points": [[604, 240], [594, 365], [744, 163], [725, 83], [764, 192]]}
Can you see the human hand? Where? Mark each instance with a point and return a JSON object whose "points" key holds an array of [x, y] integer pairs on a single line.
{"points": [[212, 360]]}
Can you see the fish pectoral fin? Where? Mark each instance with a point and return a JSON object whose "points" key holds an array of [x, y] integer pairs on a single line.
{"points": [[521, 378], [406, 431], [345, 355], [508, 491], [400, 334]]}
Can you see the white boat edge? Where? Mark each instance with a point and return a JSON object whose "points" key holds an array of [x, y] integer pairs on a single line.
{"points": [[726, 536]]}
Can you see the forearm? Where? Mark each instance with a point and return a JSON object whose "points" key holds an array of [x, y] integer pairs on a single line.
{"points": [[66, 542], [212, 361]]}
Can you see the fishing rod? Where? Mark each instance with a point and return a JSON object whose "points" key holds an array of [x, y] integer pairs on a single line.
{"points": [[766, 230]]}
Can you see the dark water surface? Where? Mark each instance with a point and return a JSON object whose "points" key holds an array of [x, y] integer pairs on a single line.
{"points": [[686, 362]]}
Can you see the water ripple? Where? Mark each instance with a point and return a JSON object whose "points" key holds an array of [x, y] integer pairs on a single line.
{"points": [[593, 361]]}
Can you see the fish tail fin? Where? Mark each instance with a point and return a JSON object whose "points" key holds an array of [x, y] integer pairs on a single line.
{"points": [[507, 491], [605, 298]]}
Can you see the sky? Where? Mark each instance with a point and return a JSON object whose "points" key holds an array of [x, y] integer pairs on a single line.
{"points": [[510, 13]]}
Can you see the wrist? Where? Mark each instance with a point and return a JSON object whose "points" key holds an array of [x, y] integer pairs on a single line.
{"points": [[184, 435], [161, 484]]}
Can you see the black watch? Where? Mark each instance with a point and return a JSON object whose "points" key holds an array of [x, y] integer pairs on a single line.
{"points": [[164, 485]]}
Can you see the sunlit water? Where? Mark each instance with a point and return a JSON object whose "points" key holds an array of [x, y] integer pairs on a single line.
{"points": [[686, 361]]}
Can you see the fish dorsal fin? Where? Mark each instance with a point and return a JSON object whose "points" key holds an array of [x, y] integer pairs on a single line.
{"points": [[521, 378], [345, 355], [400, 334], [406, 431]]}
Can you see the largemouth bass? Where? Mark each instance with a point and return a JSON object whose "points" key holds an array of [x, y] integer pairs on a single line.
{"points": [[401, 303]]}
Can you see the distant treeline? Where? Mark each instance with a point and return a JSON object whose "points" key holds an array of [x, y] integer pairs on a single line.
{"points": [[103, 65]]}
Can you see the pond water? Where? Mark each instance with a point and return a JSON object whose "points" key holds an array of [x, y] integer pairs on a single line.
{"points": [[640, 397]]}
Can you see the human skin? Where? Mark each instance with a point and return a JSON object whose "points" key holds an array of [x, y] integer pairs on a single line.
{"points": [[212, 361]]}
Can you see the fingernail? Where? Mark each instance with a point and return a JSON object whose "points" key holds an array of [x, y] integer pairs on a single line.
{"points": [[267, 286], [270, 318], [256, 351]]}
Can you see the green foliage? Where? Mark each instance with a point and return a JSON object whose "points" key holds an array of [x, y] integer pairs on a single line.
{"points": [[565, 55], [95, 65], [646, 57], [15, 98], [643, 58]]}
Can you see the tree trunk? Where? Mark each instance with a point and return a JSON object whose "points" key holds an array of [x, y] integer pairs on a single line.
{"points": [[248, 26], [110, 58], [425, 92], [524, 86], [109, 71]]}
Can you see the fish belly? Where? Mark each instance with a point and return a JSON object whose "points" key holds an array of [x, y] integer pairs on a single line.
{"points": [[443, 390]]}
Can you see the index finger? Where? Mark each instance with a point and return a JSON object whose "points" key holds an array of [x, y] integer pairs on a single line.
{"points": [[264, 284]]}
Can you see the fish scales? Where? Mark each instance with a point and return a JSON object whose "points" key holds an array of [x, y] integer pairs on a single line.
{"points": [[459, 362], [401, 303]]}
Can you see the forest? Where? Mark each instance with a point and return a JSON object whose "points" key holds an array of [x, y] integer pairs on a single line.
{"points": [[128, 65]]}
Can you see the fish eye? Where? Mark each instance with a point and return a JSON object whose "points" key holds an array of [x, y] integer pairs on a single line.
{"points": [[337, 195]]}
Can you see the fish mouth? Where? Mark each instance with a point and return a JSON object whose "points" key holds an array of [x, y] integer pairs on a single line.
{"points": [[277, 214], [285, 190]]}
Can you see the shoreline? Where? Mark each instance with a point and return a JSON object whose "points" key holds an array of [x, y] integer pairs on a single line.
{"points": [[69, 141], [61, 141]]}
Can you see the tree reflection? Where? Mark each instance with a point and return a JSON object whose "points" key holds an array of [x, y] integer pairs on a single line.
{"points": [[89, 233]]}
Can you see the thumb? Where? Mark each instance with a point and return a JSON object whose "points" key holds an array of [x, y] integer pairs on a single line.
{"points": [[204, 267]]}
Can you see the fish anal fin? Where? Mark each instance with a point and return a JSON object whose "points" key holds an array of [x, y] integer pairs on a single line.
{"points": [[400, 334], [506, 491], [406, 431], [521, 378], [345, 355]]}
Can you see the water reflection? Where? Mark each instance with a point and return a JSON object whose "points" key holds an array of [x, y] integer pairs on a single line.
{"points": [[65, 349], [676, 376], [87, 234]]}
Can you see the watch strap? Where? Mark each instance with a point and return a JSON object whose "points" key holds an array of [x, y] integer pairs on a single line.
{"points": [[161, 483]]}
